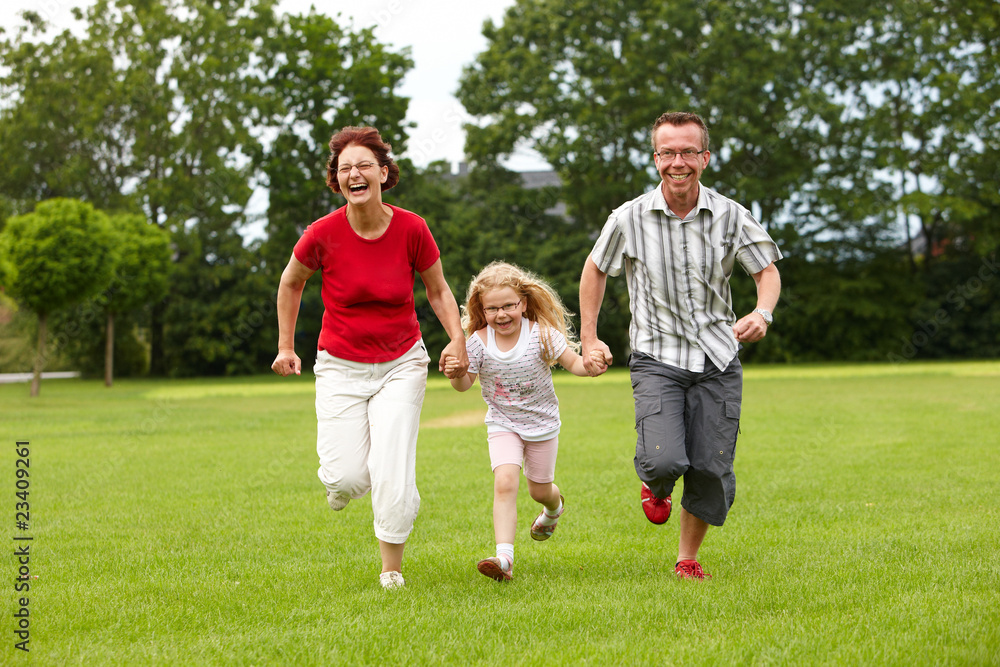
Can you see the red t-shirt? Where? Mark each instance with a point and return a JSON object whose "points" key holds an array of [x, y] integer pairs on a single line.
{"points": [[368, 283]]}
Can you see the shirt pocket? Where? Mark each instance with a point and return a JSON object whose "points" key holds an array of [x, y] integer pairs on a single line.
{"points": [[721, 260]]}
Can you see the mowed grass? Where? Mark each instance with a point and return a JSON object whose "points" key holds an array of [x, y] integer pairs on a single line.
{"points": [[182, 522]]}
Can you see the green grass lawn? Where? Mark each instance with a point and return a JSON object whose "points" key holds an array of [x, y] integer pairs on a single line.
{"points": [[181, 522]]}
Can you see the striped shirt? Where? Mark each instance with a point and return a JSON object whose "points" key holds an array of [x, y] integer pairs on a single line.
{"points": [[517, 384], [678, 273]]}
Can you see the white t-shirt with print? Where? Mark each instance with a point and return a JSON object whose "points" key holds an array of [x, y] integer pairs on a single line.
{"points": [[517, 384]]}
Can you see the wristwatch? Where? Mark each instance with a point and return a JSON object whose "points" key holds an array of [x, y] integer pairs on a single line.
{"points": [[766, 314]]}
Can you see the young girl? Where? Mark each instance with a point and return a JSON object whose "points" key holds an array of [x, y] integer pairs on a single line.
{"points": [[517, 329]]}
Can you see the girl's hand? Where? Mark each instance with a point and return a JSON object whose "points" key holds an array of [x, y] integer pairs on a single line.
{"points": [[596, 357], [451, 366], [599, 361], [455, 355]]}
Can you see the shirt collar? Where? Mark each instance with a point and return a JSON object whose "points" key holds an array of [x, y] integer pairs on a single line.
{"points": [[657, 202]]}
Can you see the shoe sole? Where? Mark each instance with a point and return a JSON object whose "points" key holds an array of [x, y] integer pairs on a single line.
{"points": [[336, 502], [493, 570], [657, 521], [652, 499]]}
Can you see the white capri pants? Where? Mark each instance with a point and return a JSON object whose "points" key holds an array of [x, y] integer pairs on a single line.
{"points": [[368, 416]]}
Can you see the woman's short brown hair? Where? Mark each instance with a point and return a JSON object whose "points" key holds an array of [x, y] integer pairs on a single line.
{"points": [[361, 136]]}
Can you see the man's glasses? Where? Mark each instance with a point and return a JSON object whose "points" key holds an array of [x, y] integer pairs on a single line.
{"points": [[363, 167], [688, 155], [507, 308]]}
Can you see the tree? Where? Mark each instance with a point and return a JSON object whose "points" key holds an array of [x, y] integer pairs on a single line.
{"points": [[321, 77], [149, 105], [60, 126], [61, 253], [918, 84], [832, 122], [140, 278], [582, 83]]}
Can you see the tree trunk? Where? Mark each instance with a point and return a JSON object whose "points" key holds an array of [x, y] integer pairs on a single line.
{"points": [[109, 352], [157, 367], [36, 380]]}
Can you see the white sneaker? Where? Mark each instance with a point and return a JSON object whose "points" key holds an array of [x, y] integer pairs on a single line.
{"points": [[391, 580], [337, 502]]}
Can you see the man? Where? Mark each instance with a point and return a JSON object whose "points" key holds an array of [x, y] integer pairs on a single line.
{"points": [[678, 244]]}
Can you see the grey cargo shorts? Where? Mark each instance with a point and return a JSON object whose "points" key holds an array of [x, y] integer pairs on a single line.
{"points": [[686, 425]]}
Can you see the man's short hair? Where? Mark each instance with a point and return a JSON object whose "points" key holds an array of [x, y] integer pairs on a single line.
{"points": [[677, 118]]}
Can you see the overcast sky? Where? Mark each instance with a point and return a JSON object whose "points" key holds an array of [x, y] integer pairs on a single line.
{"points": [[443, 36]]}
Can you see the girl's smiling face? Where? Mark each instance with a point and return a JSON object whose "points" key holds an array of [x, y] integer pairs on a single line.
{"points": [[504, 310]]}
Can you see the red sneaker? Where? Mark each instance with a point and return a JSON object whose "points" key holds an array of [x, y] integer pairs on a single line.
{"points": [[690, 569], [657, 509]]}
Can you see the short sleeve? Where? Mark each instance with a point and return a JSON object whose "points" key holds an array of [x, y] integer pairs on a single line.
{"points": [[755, 249], [609, 250], [474, 348], [556, 340], [307, 250], [425, 249]]}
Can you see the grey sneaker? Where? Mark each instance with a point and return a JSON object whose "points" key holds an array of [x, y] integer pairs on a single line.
{"points": [[337, 502], [391, 580]]}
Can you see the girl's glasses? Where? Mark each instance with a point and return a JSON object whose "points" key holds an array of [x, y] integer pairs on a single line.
{"points": [[507, 308]]}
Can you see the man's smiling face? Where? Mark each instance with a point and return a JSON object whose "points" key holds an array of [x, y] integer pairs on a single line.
{"points": [[680, 176]]}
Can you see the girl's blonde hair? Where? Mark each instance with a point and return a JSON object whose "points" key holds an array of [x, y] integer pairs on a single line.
{"points": [[542, 304]]}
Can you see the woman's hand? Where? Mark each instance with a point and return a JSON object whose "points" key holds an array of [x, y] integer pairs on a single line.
{"points": [[454, 361], [286, 363]]}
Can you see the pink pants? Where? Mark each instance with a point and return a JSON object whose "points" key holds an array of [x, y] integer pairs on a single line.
{"points": [[539, 457]]}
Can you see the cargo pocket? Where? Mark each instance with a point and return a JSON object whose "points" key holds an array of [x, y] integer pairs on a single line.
{"points": [[727, 431], [649, 440]]}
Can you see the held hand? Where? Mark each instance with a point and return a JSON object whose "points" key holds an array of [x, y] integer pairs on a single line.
{"points": [[286, 363], [454, 361], [596, 358], [750, 329], [451, 366], [600, 362]]}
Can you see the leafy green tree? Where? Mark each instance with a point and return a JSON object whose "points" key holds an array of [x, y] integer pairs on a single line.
{"points": [[582, 83], [149, 104], [62, 253], [839, 125], [919, 155], [220, 303], [918, 79], [321, 77], [488, 215], [60, 124], [141, 277]]}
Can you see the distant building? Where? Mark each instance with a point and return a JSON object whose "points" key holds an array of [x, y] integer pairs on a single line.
{"points": [[532, 180]]}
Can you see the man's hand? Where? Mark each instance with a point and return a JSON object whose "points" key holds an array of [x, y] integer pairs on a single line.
{"points": [[750, 329]]}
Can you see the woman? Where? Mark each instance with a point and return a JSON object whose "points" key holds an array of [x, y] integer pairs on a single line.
{"points": [[371, 365]]}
